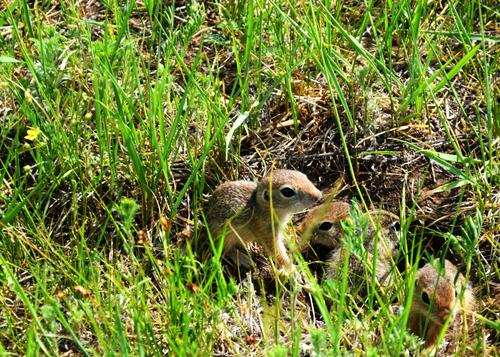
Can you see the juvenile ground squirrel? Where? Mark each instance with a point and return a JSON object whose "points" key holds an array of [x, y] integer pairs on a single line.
{"points": [[441, 294], [251, 212], [323, 226]]}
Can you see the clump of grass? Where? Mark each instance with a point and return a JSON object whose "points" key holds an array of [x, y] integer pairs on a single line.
{"points": [[118, 117]]}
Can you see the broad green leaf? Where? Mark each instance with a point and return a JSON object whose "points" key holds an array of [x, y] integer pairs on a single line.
{"points": [[8, 59], [240, 120]]}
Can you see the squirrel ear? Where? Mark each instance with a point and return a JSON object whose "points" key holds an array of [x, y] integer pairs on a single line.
{"points": [[265, 195]]}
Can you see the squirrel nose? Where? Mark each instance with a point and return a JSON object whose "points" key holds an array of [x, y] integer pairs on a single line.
{"points": [[318, 195]]}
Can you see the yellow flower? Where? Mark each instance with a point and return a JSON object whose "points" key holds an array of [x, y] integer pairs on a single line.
{"points": [[33, 133]]}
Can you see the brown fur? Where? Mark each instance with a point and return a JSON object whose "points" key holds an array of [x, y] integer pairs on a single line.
{"points": [[443, 289], [250, 212], [334, 213], [330, 212], [386, 248]]}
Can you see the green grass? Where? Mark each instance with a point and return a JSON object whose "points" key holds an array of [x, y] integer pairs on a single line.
{"points": [[143, 107]]}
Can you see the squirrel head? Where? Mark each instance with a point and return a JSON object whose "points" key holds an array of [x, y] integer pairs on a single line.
{"points": [[322, 224], [287, 192], [435, 290]]}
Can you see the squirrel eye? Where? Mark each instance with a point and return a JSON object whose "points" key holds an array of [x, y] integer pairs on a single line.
{"points": [[325, 226], [425, 298], [287, 192], [265, 195], [396, 226]]}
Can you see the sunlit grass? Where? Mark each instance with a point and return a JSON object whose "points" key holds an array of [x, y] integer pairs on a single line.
{"points": [[118, 117]]}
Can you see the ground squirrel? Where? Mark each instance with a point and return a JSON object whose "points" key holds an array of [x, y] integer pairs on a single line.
{"points": [[256, 213], [322, 225], [441, 294]]}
